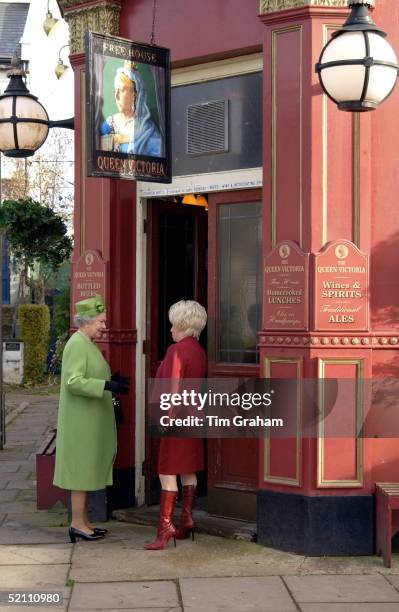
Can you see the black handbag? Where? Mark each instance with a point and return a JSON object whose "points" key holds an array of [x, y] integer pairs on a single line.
{"points": [[117, 410]]}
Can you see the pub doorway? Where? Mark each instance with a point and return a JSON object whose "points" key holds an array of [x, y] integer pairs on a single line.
{"points": [[215, 258], [176, 269]]}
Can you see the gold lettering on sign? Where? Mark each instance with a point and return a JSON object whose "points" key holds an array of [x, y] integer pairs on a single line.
{"points": [[341, 287]]}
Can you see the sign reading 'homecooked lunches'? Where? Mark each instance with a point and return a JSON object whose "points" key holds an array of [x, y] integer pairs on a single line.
{"points": [[286, 273], [341, 281]]}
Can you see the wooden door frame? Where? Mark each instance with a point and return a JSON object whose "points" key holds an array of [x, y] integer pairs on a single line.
{"points": [[216, 368], [158, 206]]}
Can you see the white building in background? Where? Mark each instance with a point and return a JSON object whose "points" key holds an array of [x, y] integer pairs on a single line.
{"points": [[21, 31], [42, 53]]}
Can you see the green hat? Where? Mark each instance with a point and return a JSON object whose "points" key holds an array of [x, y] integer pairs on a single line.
{"points": [[92, 307]]}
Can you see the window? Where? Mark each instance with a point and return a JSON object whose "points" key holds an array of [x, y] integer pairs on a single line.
{"points": [[239, 253]]}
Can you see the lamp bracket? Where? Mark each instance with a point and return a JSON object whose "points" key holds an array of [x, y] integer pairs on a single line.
{"points": [[68, 124], [359, 19], [369, 3]]}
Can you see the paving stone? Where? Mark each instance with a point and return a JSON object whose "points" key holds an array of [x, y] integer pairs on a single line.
{"points": [[40, 518], [394, 580], [26, 465], [30, 576], [8, 467], [334, 589], [25, 495], [25, 474], [122, 595], [344, 565], [350, 607], [7, 495], [22, 455], [14, 507], [20, 484], [236, 594], [35, 555], [120, 556], [25, 534]]}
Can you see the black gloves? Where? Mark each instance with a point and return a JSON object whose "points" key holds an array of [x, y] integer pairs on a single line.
{"points": [[118, 384], [123, 380], [116, 387]]}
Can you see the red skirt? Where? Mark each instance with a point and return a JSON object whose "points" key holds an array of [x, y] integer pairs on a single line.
{"points": [[180, 456]]}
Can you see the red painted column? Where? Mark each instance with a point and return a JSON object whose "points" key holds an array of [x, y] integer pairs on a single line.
{"points": [[105, 221], [328, 178]]}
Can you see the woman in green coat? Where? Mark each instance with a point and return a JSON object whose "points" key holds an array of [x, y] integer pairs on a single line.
{"points": [[86, 431]]}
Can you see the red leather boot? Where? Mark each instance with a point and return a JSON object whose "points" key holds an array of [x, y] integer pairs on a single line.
{"points": [[187, 524], [166, 528]]}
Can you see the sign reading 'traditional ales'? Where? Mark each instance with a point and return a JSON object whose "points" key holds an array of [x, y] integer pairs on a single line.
{"points": [[128, 109], [286, 273], [341, 281]]}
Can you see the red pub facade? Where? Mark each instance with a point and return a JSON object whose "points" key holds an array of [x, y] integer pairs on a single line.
{"points": [[318, 206]]}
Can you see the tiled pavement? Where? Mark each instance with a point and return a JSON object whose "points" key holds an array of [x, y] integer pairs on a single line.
{"points": [[212, 574]]}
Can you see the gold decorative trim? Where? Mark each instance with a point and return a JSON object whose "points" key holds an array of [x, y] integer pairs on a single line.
{"points": [[270, 6], [324, 171], [101, 17], [275, 33], [356, 161], [356, 179], [83, 164], [117, 336], [321, 481], [296, 482], [327, 27], [385, 341]]}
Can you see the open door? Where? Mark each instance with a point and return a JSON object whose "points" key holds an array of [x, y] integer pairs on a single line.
{"points": [[177, 253], [234, 315], [232, 293]]}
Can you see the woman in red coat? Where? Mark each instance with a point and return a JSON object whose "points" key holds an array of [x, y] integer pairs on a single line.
{"points": [[185, 456]]}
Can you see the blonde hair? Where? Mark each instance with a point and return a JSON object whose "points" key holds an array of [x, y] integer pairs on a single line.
{"points": [[189, 316]]}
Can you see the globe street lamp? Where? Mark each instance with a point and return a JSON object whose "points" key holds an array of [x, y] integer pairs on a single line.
{"points": [[358, 68], [24, 122]]}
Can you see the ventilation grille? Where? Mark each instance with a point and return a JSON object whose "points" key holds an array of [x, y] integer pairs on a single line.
{"points": [[207, 128]]}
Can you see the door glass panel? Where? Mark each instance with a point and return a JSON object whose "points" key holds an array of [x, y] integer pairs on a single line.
{"points": [[240, 281]]}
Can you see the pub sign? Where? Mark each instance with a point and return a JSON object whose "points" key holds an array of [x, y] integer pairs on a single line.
{"points": [[341, 288], [128, 109]]}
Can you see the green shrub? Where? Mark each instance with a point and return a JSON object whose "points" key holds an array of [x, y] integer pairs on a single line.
{"points": [[34, 323], [61, 316]]}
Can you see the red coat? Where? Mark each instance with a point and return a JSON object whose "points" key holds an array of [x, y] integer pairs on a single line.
{"points": [[184, 359]]}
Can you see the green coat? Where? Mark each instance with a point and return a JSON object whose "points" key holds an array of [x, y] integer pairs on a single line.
{"points": [[86, 431]]}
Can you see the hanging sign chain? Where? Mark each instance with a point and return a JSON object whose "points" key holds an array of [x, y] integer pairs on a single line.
{"points": [[152, 37]]}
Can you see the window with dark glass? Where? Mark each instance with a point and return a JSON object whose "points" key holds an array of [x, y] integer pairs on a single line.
{"points": [[240, 281]]}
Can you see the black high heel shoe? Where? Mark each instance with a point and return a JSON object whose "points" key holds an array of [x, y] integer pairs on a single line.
{"points": [[100, 531], [75, 534]]}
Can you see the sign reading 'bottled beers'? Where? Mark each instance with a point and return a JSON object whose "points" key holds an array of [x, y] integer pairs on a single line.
{"points": [[286, 273], [89, 276], [341, 288]]}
